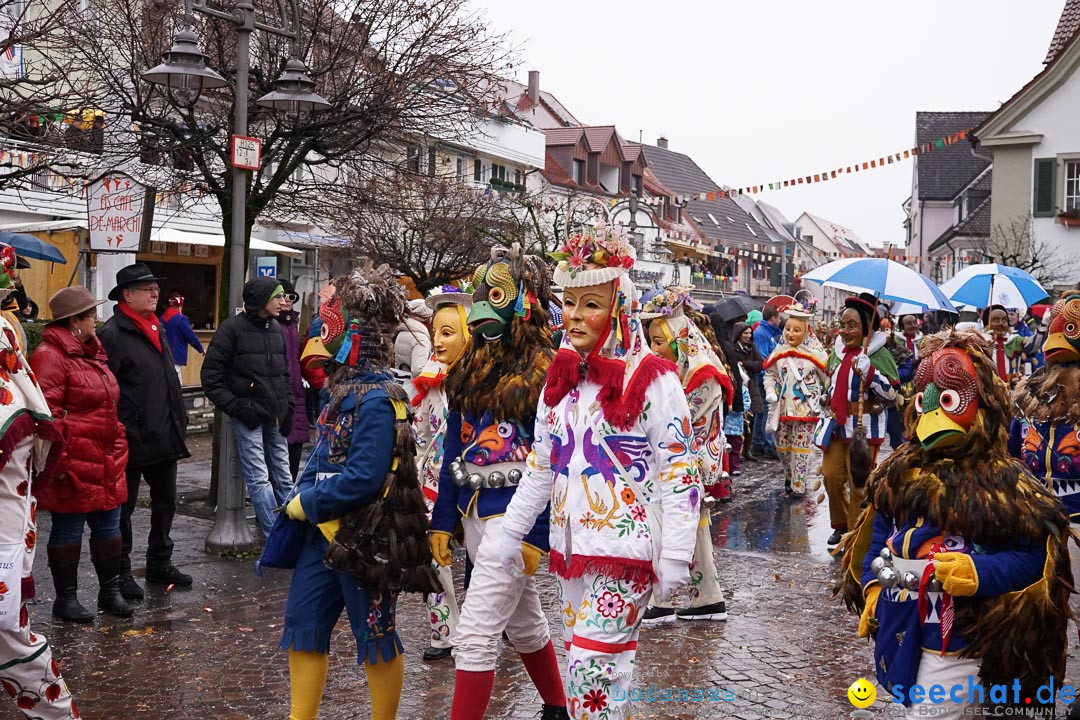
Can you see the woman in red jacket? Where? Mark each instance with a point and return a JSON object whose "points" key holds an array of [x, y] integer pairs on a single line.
{"points": [[87, 484]]}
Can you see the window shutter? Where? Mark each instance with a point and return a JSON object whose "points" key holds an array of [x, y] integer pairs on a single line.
{"points": [[1045, 175]]}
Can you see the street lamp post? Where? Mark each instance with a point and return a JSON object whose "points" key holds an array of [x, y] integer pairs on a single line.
{"points": [[183, 68]]}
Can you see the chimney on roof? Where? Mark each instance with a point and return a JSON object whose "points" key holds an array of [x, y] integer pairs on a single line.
{"points": [[534, 85], [661, 142]]}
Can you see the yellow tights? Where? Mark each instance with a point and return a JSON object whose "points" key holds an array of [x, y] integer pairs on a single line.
{"points": [[307, 678]]}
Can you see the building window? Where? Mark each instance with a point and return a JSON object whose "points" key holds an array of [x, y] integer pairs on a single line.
{"points": [[412, 158], [498, 171], [461, 169], [1072, 185], [477, 171], [517, 177], [636, 182], [579, 171], [431, 159]]}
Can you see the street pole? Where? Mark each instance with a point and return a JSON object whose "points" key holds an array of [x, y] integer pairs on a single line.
{"points": [[783, 268], [230, 533]]}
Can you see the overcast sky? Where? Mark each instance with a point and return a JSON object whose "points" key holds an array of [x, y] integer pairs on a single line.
{"points": [[758, 90]]}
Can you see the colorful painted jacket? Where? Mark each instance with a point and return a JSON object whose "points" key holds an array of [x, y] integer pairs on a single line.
{"points": [[429, 426], [1012, 348], [483, 442], [351, 457], [600, 519], [706, 402], [882, 380], [796, 377], [904, 630], [1052, 451]]}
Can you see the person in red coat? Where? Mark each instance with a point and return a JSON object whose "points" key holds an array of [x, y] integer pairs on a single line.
{"points": [[87, 484]]}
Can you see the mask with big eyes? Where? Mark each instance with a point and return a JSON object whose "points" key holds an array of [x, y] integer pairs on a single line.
{"points": [[947, 399], [7, 264], [494, 300], [1063, 336], [331, 333]]}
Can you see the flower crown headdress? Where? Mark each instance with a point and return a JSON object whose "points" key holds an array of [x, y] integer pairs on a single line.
{"points": [[803, 308], [593, 257], [669, 302]]}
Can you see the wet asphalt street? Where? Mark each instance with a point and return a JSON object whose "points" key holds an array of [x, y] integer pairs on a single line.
{"points": [[787, 650]]}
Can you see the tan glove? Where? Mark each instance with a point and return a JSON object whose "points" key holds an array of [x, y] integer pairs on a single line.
{"points": [[867, 620], [294, 510], [531, 556], [440, 547]]}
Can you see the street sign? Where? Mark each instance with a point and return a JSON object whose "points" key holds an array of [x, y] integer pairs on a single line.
{"points": [[114, 205], [246, 152], [266, 266]]}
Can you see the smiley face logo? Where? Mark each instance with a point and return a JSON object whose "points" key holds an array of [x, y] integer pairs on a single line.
{"points": [[861, 693]]}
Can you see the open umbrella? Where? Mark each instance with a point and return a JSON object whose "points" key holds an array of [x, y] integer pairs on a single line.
{"points": [[735, 306], [885, 279], [902, 308], [31, 247], [992, 284]]}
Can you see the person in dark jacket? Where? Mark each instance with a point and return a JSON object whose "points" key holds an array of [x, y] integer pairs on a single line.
{"points": [[152, 411], [86, 485], [178, 329], [746, 352], [246, 376], [298, 433]]}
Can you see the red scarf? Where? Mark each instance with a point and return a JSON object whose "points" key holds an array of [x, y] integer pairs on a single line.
{"points": [[839, 401], [169, 314], [910, 343], [999, 354], [148, 326]]}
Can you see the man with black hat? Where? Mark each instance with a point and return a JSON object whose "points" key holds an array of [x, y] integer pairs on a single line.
{"points": [[152, 410], [246, 375]]}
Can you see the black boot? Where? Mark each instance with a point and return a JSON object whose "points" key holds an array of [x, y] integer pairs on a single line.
{"points": [[554, 712], [129, 589], [106, 557], [64, 564]]}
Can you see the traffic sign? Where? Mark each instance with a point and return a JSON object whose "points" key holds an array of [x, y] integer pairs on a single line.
{"points": [[246, 152]]}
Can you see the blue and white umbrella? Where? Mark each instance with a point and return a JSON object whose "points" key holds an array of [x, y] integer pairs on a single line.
{"points": [[883, 278], [992, 284]]}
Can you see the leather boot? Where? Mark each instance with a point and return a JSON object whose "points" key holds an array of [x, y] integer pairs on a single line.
{"points": [[129, 589], [106, 557], [64, 564], [554, 712]]}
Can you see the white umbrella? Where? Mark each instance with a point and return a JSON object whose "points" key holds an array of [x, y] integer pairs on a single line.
{"points": [[882, 278], [993, 284]]}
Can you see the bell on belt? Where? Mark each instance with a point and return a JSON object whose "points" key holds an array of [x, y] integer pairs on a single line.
{"points": [[877, 564], [457, 472], [909, 580], [476, 481], [888, 577], [885, 553], [934, 585], [496, 479], [514, 476]]}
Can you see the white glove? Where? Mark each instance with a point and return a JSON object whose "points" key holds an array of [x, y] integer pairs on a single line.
{"points": [[671, 575], [305, 383], [770, 397], [862, 365], [1046, 318], [510, 555]]}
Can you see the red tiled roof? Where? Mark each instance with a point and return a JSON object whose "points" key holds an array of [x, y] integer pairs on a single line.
{"points": [[563, 136], [1068, 24], [630, 151], [554, 173], [599, 136]]}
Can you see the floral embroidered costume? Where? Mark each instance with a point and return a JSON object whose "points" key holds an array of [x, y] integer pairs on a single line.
{"points": [[1046, 437], [854, 371], [28, 672], [429, 424], [795, 387], [492, 392], [959, 564], [708, 390], [614, 443], [364, 452]]}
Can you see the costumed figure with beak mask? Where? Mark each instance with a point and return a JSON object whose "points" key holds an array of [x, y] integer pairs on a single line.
{"points": [[491, 393], [795, 387], [959, 566], [852, 427], [673, 335], [614, 441], [1046, 436], [450, 332], [364, 525]]}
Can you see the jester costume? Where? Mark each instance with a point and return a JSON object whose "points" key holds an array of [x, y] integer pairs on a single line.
{"points": [[491, 393], [614, 446], [708, 390], [1046, 437], [795, 387], [27, 671], [429, 424], [364, 454], [959, 564]]}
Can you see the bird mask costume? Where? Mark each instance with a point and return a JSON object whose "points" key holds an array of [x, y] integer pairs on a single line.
{"points": [[983, 540]]}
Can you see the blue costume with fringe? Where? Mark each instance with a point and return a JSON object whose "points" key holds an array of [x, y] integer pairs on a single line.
{"points": [[342, 475]]}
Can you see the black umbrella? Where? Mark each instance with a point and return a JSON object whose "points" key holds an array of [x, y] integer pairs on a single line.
{"points": [[736, 306]]}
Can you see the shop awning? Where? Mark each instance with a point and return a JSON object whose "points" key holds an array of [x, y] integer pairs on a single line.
{"points": [[172, 235], [45, 226]]}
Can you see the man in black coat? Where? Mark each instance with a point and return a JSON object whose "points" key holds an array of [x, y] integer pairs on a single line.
{"points": [[245, 374], [152, 410]]}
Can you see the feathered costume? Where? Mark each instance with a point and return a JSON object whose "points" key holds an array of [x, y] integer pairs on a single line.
{"points": [[976, 574], [614, 455], [492, 392], [360, 494]]}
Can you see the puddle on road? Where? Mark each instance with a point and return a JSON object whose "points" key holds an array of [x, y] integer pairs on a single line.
{"points": [[765, 520]]}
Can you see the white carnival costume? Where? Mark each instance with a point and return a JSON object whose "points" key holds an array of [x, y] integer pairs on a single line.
{"points": [[614, 440]]}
